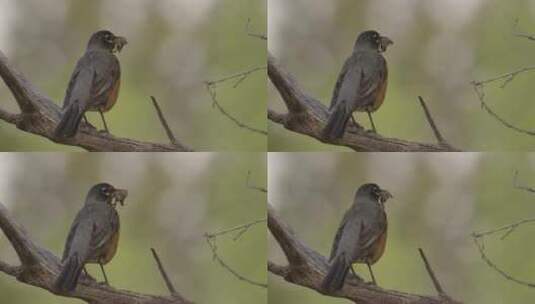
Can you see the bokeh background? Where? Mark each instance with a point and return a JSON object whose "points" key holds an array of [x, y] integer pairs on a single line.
{"points": [[439, 48], [173, 200], [439, 200], [174, 46]]}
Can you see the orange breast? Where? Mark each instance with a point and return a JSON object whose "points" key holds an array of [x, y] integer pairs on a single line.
{"points": [[378, 249], [111, 249], [112, 97]]}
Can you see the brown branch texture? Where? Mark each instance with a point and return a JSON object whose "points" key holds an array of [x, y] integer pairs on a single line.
{"points": [[40, 268], [39, 115], [307, 268], [308, 116]]}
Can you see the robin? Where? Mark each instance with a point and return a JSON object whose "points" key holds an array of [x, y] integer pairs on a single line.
{"points": [[93, 236], [361, 236], [361, 85], [94, 84]]}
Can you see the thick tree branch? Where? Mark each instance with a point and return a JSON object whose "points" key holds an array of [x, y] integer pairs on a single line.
{"points": [[306, 115], [40, 115], [307, 268], [39, 267]]}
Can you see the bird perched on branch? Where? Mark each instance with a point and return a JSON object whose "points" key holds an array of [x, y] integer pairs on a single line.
{"points": [[93, 237], [94, 83], [361, 85], [361, 236]]}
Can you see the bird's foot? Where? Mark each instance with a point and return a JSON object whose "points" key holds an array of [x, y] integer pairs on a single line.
{"points": [[104, 132]]}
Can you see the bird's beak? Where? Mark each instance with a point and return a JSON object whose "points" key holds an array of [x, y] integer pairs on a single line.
{"points": [[119, 42], [384, 43], [384, 195], [119, 195]]}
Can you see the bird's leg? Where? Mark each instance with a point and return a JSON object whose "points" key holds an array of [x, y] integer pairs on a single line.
{"points": [[85, 119], [104, 274], [353, 271], [85, 271], [371, 121], [371, 273], [104, 121]]}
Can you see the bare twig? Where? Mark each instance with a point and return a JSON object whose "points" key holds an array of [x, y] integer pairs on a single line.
{"points": [[481, 247], [505, 79], [521, 34], [252, 186], [521, 187], [40, 115], [165, 125], [211, 87], [431, 122], [308, 116], [211, 240], [431, 273], [168, 282], [307, 268], [251, 33], [481, 95], [39, 267]]}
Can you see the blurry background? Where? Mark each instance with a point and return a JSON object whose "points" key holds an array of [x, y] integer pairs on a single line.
{"points": [[439, 200], [174, 46], [173, 200], [439, 47]]}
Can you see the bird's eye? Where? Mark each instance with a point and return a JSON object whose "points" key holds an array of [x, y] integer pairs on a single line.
{"points": [[105, 190]]}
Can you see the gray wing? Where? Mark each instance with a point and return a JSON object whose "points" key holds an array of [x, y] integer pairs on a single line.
{"points": [[364, 74], [78, 240], [78, 90], [337, 238], [348, 81]]}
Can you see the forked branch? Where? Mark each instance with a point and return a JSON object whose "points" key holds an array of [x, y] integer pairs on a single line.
{"points": [[40, 115], [307, 268], [308, 116], [40, 267]]}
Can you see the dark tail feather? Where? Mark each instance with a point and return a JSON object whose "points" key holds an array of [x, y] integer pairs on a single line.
{"points": [[336, 276], [68, 126], [68, 278], [337, 122]]}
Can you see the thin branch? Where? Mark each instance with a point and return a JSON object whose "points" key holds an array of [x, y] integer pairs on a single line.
{"points": [[251, 33], [521, 34], [165, 125], [211, 240], [506, 77], [168, 282], [211, 87], [308, 116], [307, 268], [481, 247], [521, 187], [431, 273], [431, 122], [506, 228], [40, 116], [39, 267], [479, 89], [251, 186]]}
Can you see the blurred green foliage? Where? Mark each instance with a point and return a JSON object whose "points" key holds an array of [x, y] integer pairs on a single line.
{"points": [[439, 48], [174, 47], [439, 200], [174, 199]]}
